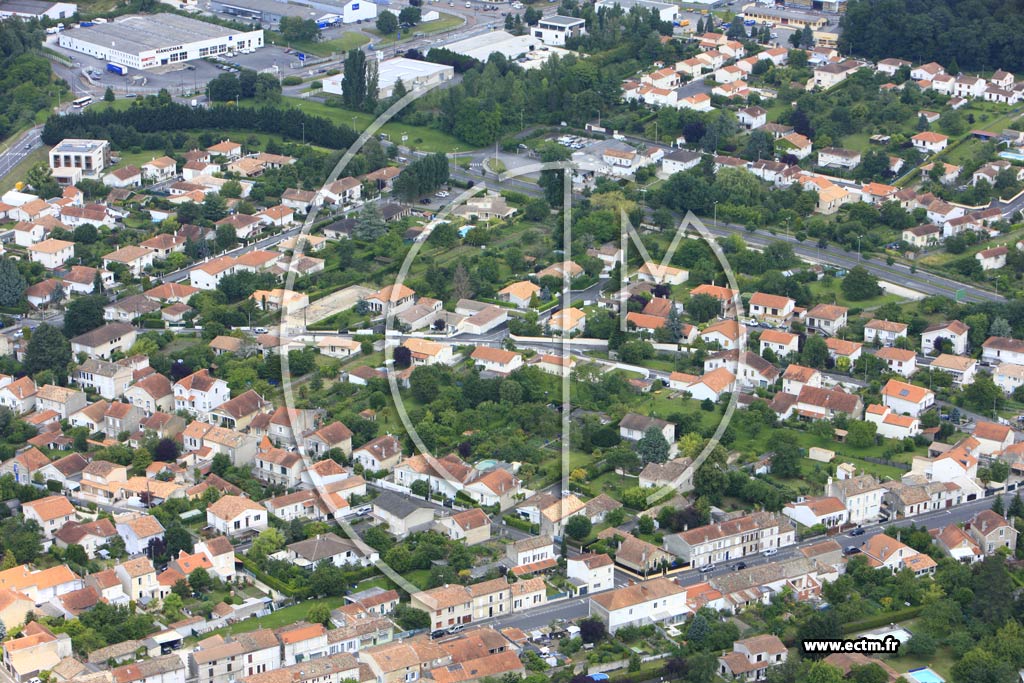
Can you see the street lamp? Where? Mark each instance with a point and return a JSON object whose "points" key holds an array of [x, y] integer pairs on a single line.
{"points": [[716, 214], [858, 246]]}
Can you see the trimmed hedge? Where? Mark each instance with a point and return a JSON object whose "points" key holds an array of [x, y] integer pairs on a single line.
{"points": [[883, 619]]}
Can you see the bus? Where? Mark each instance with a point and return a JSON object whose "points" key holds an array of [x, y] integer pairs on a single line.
{"points": [[82, 102]]}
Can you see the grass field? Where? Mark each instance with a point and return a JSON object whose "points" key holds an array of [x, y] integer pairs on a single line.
{"points": [[325, 48], [445, 23], [829, 291], [282, 617], [420, 138]]}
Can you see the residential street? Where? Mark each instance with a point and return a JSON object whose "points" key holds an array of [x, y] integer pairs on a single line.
{"points": [[921, 281]]}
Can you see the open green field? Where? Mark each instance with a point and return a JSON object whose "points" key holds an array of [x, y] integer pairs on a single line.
{"points": [[420, 138], [326, 48], [446, 22], [282, 617], [829, 291]]}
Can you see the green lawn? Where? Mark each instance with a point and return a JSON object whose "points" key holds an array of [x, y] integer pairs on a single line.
{"points": [[828, 291], [282, 617], [420, 138], [445, 23], [325, 48]]}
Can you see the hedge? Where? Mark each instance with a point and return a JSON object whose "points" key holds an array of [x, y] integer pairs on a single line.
{"points": [[883, 619], [275, 583], [521, 524]]}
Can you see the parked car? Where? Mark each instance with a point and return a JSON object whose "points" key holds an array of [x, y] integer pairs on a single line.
{"points": [[859, 531], [456, 628], [852, 550], [710, 567], [739, 565], [770, 552], [438, 634]]}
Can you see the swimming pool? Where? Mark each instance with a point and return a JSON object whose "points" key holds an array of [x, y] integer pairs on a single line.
{"points": [[464, 230], [925, 675], [1012, 156]]}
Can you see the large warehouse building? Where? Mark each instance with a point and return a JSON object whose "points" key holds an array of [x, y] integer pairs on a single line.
{"points": [[37, 9], [413, 73], [269, 12], [149, 41]]}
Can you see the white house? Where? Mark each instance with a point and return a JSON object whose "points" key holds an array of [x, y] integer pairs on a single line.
{"points": [[234, 515], [591, 573], [827, 511], [884, 332], [935, 335], [557, 29], [659, 600], [906, 398]]}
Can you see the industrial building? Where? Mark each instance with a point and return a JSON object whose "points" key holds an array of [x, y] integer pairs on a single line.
{"points": [[268, 13], [37, 9], [783, 17], [412, 72], [149, 41], [528, 51]]}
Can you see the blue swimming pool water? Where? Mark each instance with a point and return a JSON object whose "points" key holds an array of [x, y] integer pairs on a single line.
{"points": [[926, 675], [1012, 156], [464, 230]]}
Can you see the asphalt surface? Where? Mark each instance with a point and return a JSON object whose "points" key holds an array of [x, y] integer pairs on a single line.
{"points": [[575, 608], [920, 281], [20, 148]]}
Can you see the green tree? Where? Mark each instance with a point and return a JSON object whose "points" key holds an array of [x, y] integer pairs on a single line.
{"points": [[200, 580], [370, 224], [703, 307], [409, 15], [84, 314], [420, 488], [298, 29], [578, 527], [815, 353], [12, 284], [108, 94], [40, 178], [982, 666], [861, 434], [319, 614], [652, 446], [267, 543], [387, 23], [48, 349], [268, 89], [698, 631], [859, 284], [232, 189]]}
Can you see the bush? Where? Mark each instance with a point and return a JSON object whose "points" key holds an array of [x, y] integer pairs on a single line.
{"points": [[291, 80]]}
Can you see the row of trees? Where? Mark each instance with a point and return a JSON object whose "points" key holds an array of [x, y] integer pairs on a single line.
{"points": [[247, 84], [934, 30], [153, 116], [422, 176]]}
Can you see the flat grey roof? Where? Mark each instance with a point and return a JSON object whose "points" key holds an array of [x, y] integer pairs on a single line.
{"points": [[140, 33], [77, 145], [25, 6], [560, 20], [285, 9]]}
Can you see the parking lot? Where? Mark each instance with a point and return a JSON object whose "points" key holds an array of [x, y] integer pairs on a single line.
{"points": [[179, 79]]}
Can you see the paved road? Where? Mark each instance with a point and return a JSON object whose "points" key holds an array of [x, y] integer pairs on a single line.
{"points": [[924, 282], [18, 149], [576, 608]]}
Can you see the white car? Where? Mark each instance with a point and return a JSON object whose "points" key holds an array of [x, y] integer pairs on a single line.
{"points": [[442, 194], [770, 552]]}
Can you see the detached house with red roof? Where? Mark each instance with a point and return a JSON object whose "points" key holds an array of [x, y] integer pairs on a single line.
{"points": [[200, 393], [751, 658]]}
